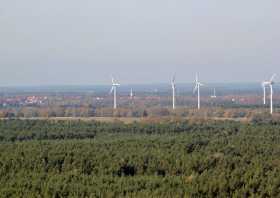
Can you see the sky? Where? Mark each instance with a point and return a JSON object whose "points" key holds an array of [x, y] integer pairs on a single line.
{"points": [[70, 42]]}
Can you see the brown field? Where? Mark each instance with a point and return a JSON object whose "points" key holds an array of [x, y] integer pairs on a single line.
{"points": [[129, 120]]}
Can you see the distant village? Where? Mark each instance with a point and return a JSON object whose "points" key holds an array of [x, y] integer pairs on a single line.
{"points": [[23, 101]]}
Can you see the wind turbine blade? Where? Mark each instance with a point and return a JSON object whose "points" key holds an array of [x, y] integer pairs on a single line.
{"points": [[195, 88], [111, 90], [272, 77]]}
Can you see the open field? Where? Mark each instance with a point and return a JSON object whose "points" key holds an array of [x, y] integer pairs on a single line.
{"points": [[86, 119]]}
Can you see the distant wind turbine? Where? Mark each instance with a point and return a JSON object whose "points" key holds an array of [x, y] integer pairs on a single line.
{"points": [[173, 92], [114, 88], [197, 88], [270, 83]]}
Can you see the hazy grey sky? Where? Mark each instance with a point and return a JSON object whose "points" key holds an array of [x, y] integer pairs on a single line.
{"points": [[83, 42]]}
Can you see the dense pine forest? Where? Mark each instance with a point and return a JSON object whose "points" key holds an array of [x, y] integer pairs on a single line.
{"points": [[169, 159]]}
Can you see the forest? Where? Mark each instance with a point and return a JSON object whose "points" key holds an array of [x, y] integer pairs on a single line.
{"points": [[202, 158]]}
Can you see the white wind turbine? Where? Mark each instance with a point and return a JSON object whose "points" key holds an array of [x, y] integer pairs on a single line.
{"points": [[197, 88], [173, 92], [114, 88], [264, 84], [270, 83]]}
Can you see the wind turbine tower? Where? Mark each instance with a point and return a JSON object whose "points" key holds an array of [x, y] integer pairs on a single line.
{"points": [[271, 92], [131, 94], [197, 88], [114, 89], [173, 92], [214, 93], [264, 84]]}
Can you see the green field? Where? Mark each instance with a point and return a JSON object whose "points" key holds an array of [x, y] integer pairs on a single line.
{"points": [[68, 158]]}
